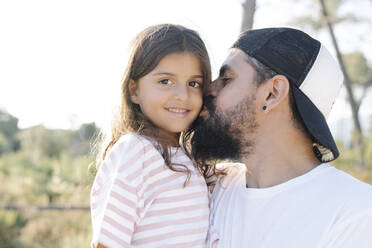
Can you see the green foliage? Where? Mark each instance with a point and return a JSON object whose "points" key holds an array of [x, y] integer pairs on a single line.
{"points": [[40, 142], [56, 229], [11, 224], [4, 144], [314, 19], [44, 180], [84, 137], [348, 161], [304, 21], [8, 130], [355, 62], [52, 167], [65, 180], [333, 7], [87, 131], [356, 66]]}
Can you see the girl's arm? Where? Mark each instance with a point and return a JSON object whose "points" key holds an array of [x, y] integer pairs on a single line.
{"points": [[114, 200]]}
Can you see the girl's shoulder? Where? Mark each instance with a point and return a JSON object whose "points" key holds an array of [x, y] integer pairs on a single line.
{"points": [[133, 141], [132, 138], [131, 148], [132, 153]]}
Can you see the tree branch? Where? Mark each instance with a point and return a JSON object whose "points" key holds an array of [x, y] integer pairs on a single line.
{"points": [[43, 208]]}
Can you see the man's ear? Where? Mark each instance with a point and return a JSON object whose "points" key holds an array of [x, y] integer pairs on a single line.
{"points": [[277, 91], [133, 91]]}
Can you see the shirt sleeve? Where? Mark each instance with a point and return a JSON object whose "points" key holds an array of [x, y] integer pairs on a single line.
{"points": [[357, 232], [115, 201]]}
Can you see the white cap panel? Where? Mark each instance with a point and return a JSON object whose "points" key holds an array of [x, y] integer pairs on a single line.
{"points": [[323, 82]]}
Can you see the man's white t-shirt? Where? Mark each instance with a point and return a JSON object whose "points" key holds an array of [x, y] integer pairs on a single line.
{"points": [[323, 208]]}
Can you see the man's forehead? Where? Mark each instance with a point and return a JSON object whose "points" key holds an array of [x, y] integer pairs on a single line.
{"points": [[235, 58]]}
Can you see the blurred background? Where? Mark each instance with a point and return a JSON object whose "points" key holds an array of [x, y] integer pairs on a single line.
{"points": [[61, 64]]}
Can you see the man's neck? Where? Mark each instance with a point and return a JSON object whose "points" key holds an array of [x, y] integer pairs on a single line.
{"points": [[277, 159]]}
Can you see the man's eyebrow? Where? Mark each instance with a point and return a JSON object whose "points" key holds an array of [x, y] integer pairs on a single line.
{"points": [[223, 69]]}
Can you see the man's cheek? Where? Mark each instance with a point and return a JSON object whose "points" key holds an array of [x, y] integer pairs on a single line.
{"points": [[204, 114]]}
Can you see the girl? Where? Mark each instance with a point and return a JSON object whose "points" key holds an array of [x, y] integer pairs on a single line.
{"points": [[147, 193]]}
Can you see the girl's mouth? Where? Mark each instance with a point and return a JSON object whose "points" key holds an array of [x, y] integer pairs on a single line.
{"points": [[178, 111]]}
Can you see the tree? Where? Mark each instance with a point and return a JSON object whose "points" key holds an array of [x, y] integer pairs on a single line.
{"points": [[354, 104], [8, 132], [249, 8], [360, 74], [83, 138], [4, 144], [357, 74], [39, 142], [87, 131]]}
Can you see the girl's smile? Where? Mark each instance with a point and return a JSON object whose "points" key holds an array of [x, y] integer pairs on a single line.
{"points": [[179, 112]]}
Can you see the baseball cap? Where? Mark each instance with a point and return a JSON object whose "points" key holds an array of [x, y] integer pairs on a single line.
{"points": [[314, 75]]}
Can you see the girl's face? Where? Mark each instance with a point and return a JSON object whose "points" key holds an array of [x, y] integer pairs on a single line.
{"points": [[171, 94]]}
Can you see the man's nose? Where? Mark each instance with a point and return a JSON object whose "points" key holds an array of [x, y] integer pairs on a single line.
{"points": [[213, 88]]}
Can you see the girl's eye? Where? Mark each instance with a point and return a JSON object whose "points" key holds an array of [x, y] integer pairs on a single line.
{"points": [[165, 81], [195, 84]]}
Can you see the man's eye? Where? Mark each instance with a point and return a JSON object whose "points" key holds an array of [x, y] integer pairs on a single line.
{"points": [[195, 84], [225, 80], [165, 81]]}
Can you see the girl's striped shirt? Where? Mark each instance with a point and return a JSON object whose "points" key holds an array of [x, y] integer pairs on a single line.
{"points": [[137, 201]]}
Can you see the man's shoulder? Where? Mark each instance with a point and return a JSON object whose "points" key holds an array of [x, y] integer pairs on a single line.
{"points": [[345, 181], [352, 206], [354, 194]]}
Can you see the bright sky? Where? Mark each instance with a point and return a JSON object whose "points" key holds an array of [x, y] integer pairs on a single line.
{"points": [[61, 62]]}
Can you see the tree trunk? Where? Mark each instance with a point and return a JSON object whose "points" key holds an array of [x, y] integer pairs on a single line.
{"points": [[249, 7], [348, 84]]}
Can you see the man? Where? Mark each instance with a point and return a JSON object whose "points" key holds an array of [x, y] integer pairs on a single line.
{"points": [[268, 110]]}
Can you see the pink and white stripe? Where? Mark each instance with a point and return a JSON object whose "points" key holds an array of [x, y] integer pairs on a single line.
{"points": [[137, 201]]}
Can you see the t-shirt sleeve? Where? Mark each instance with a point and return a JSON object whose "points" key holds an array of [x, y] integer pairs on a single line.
{"points": [[115, 198], [356, 232]]}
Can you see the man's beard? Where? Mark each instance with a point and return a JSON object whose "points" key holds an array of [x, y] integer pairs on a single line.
{"points": [[222, 136]]}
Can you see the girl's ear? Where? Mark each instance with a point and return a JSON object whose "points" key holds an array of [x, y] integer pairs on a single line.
{"points": [[133, 91]]}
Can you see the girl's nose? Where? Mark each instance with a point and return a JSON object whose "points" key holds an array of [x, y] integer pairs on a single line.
{"points": [[181, 92]]}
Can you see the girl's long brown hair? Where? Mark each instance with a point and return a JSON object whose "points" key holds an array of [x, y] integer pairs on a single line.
{"points": [[147, 49]]}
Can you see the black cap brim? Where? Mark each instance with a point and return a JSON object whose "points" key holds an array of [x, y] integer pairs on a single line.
{"points": [[317, 127]]}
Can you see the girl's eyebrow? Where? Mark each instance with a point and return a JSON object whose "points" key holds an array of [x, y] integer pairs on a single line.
{"points": [[171, 74], [162, 73]]}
